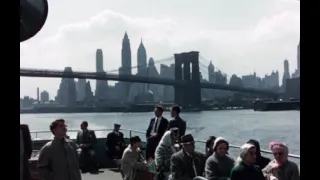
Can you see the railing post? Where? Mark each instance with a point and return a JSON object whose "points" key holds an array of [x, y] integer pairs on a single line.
{"points": [[36, 135], [130, 133]]}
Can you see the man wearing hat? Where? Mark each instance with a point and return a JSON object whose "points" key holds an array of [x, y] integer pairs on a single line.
{"points": [[115, 143], [187, 163]]}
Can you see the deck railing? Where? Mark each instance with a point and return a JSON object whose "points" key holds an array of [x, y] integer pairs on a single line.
{"points": [[131, 131]]}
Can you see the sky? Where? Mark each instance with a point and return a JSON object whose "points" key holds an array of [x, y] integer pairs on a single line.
{"points": [[239, 37]]}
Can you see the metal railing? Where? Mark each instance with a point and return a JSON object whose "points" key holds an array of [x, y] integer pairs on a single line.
{"points": [[142, 132]]}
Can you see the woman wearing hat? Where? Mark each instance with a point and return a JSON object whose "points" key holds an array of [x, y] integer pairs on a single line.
{"points": [[281, 168], [244, 168], [219, 164]]}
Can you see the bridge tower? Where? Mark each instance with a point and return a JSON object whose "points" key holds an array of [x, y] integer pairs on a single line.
{"points": [[189, 95]]}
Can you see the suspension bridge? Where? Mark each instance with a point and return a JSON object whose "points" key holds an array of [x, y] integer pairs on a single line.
{"points": [[185, 76]]}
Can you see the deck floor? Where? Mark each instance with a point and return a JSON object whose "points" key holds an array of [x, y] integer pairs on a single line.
{"points": [[104, 174]]}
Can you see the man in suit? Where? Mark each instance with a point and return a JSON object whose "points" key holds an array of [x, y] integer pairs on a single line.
{"points": [[27, 150], [187, 164], [177, 122], [115, 143], [157, 127], [85, 141]]}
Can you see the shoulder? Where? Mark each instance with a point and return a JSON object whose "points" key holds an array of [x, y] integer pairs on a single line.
{"points": [[230, 157], [199, 154], [177, 155], [120, 133], [46, 147], [127, 151], [237, 168], [165, 119], [293, 165]]}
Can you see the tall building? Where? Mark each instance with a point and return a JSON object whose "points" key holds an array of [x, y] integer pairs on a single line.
{"points": [[44, 96], [123, 88], [211, 77], [81, 89], [67, 93], [126, 55], [142, 59], [286, 73], [101, 85]]}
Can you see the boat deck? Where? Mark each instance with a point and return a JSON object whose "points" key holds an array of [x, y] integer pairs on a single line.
{"points": [[104, 174]]}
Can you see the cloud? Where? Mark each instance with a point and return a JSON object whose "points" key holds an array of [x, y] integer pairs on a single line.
{"points": [[232, 50]]}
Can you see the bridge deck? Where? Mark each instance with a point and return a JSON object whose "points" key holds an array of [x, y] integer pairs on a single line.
{"points": [[104, 174]]}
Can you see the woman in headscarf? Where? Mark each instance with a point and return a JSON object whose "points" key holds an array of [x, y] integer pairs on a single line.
{"points": [[219, 164], [244, 168], [281, 168], [260, 160], [164, 151]]}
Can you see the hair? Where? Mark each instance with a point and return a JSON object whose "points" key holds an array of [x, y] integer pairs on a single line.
{"points": [[175, 108], [159, 107], [55, 123], [210, 141], [85, 123], [174, 132], [134, 139]]}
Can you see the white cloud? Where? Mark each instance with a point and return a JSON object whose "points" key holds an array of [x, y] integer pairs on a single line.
{"points": [[232, 50]]}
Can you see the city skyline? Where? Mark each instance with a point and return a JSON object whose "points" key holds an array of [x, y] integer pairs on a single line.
{"points": [[75, 44]]}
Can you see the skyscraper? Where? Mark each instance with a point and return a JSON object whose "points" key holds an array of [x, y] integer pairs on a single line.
{"points": [[125, 55], [101, 85], [286, 73], [142, 59]]}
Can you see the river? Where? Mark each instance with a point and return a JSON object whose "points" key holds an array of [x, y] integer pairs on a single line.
{"points": [[237, 126]]}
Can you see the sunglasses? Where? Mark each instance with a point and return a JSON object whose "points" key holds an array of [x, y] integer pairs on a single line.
{"points": [[277, 154]]}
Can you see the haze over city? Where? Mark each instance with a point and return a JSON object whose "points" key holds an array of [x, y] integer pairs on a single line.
{"points": [[239, 37]]}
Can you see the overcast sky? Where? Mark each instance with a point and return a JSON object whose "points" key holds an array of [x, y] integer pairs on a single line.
{"points": [[239, 36]]}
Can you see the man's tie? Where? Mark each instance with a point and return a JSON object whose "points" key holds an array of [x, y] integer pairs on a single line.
{"points": [[155, 126]]}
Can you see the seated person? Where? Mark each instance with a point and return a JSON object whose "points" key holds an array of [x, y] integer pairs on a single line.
{"points": [[209, 146], [164, 151], [132, 159], [115, 143], [261, 161], [244, 168], [187, 163], [281, 168], [219, 164], [85, 141]]}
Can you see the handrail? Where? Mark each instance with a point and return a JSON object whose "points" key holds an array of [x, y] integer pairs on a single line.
{"points": [[141, 132]]}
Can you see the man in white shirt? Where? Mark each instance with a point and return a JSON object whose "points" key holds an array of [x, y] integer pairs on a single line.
{"points": [[157, 127]]}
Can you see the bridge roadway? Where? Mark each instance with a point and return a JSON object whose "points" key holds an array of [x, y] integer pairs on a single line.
{"points": [[139, 79]]}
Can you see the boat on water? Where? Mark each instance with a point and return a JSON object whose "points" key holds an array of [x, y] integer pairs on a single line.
{"points": [[107, 171]]}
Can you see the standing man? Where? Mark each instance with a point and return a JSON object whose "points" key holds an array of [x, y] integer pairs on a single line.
{"points": [[85, 141], [157, 127], [27, 150], [177, 122], [115, 143], [58, 159]]}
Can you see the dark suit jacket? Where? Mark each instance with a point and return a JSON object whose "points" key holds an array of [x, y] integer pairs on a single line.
{"points": [[180, 124], [26, 140], [114, 140], [86, 137], [182, 165], [163, 126]]}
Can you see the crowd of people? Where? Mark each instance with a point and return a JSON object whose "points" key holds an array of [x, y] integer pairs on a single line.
{"points": [[168, 147]]}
